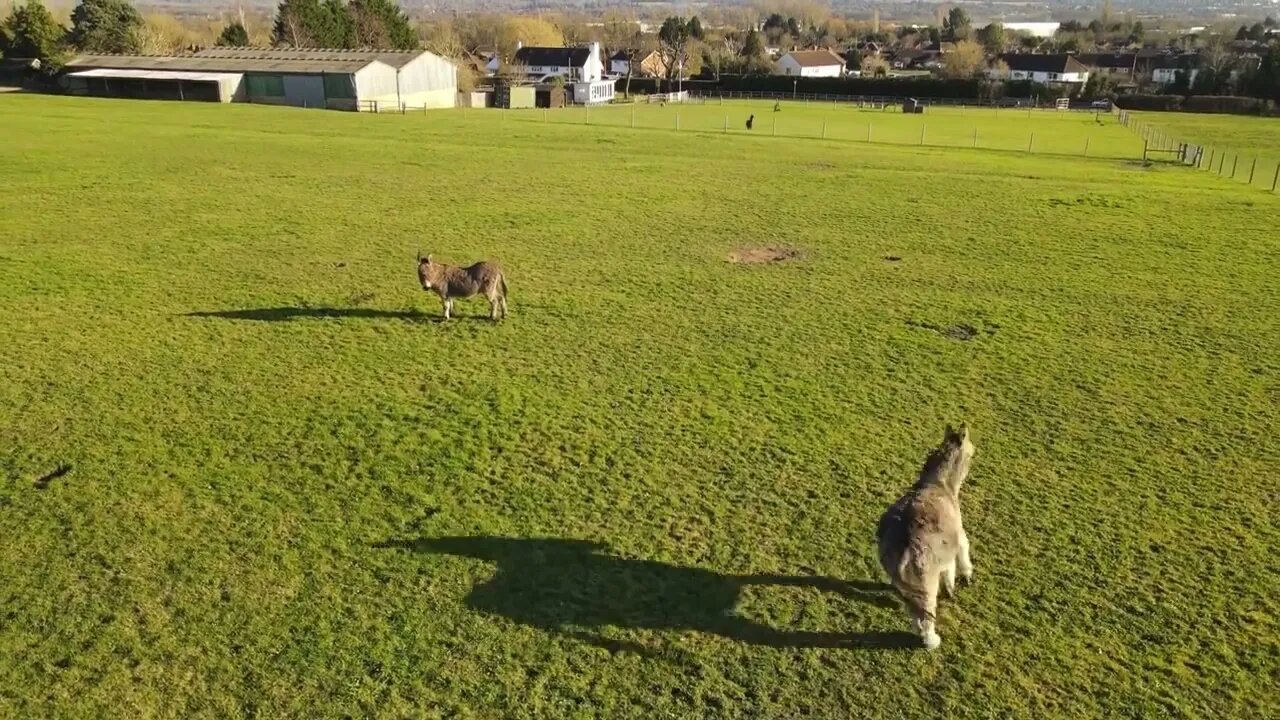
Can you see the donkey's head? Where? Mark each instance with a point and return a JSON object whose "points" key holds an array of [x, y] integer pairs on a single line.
{"points": [[425, 274], [948, 465]]}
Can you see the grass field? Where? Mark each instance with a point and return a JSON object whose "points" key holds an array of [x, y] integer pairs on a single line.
{"points": [[1235, 141], [1034, 131], [244, 471]]}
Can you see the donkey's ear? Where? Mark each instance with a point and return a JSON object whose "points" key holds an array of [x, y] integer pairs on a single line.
{"points": [[950, 434], [964, 434], [428, 258]]}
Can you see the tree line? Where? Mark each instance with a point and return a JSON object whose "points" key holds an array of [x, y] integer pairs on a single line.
{"points": [[30, 31]]}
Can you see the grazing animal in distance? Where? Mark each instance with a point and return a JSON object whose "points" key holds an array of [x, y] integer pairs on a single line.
{"points": [[751, 121], [922, 541], [451, 281]]}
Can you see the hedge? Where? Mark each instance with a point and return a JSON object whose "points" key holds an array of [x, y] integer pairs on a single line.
{"points": [[879, 87], [1197, 103], [1165, 103], [1228, 104]]}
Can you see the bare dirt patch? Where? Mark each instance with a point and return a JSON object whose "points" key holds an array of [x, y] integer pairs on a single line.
{"points": [[762, 255], [892, 258]]}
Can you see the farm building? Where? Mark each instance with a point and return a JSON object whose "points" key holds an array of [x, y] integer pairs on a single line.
{"points": [[335, 79], [811, 63]]}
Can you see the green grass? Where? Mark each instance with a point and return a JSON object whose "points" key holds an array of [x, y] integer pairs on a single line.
{"points": [[1035, 131], [209, 319], [1233, 141]]}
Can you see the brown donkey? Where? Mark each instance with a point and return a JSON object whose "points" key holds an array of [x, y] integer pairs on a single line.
{"points": [[451, 281], [922, 540]]}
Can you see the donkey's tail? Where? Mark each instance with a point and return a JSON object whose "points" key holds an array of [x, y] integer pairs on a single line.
{"points": [[502, 279]]}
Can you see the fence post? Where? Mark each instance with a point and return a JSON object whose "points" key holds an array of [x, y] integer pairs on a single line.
{"points": [[1086, 147], [824, 129], [923, 127], [726, 120], [1144, 150], [1031, 143], [1235, 162], [975, 137], [677, 121], [1222, 162], [868, 132], [1251, 169], [1275, 181], [1212, 152]]}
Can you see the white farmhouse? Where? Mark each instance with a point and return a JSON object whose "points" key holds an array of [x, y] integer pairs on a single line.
{"points": [[574, 64], [811, 63]]}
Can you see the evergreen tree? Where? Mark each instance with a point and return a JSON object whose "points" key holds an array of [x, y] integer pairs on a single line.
{"points": [[31, 32], [106, 26], [382, 24], [752, 47], [233, 35], [299, 23]]}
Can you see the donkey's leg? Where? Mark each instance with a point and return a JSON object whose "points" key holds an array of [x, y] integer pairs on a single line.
{"points": [[949, 578], [503, 300], [926, 616], [964, 563], [448, 306], [493, 308]]}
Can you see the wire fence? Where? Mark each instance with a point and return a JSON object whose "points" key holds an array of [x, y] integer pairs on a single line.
{"points": [[988, 128], [1249, 168]]}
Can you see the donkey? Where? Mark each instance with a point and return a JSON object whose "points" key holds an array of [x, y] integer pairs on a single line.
{"points": [[451, 281], [921, 536]]}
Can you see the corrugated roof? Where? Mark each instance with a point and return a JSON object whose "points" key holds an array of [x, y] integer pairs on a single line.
{"points": [[816, 58], [155, 74], [207, 64], [395, 58]]}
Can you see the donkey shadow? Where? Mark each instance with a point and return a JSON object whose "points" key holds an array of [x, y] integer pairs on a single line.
{"points": [[576, 588], [285, 314]]}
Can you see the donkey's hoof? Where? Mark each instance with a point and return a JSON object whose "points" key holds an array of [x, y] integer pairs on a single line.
{"points": [[932, 641]]}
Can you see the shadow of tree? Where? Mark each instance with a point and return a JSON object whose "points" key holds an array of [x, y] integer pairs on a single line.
{"points": [[576, 587]]}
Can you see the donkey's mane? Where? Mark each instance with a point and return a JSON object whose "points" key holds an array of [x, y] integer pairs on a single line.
{"points": [[941, 465]]}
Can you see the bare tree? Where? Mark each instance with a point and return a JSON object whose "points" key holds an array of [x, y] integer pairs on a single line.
{"points": [[623, 36]]}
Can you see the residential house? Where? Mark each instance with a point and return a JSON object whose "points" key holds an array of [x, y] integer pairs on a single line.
{"points": [[1056, 68], [1119, 68], [648, 64], [811, 63], [574, 64], [912, 59], [1165, 69]]}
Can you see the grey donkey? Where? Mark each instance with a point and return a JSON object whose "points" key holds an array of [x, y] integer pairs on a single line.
{"points": [[451, 281], [922, 540]]}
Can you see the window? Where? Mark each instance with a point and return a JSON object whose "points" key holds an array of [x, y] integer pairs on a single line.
{"points": [[339, 87], [265, 85]]}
